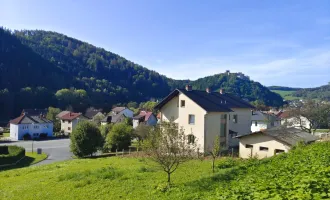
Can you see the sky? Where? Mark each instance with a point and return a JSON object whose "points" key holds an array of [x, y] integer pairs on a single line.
{"points": [[278, 42]]}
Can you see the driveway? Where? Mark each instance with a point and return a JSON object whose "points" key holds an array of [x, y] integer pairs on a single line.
{"points": [[57, 150]]}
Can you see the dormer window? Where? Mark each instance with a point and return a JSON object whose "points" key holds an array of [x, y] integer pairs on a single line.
{"points": [[183, 103]]}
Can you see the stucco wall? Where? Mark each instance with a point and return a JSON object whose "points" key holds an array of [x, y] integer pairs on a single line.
{"points": [[65, 124], [260, 125], [170, 110], [243, 125], [213, 128], [17, 132], [293, 122], [259, 140]]}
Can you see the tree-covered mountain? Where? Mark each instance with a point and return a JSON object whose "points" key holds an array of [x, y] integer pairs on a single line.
{"points": [[42, 68], [283, 88], [322, 93]]}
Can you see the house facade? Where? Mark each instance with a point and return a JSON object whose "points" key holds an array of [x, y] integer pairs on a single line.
{"points": [[272, 141], [118, 110], [30, 125], [296, 122], [261, 121], [205, 115], [94, 115], [147, 118], [69, 121]]}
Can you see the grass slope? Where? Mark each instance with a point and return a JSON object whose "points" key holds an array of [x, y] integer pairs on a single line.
{"points": [[287, 95], [301, 174], [29, 159]]}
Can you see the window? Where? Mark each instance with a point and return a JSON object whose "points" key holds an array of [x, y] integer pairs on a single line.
{"points": [[36, 127], [191, 139], [183, 103], [191, 119], [256, 123], [235, 119], [249, 146], [277, 151], [263, 148], [69, 128]]}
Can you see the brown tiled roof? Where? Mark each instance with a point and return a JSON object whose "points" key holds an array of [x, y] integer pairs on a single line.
{"points": [[16, 120], [61, 114], [28, 119], [144, 114], [70, 116]]}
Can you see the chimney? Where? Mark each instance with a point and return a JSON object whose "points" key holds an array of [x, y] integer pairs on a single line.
{"points": [[222, 91], [208, 90], [188, 87]]}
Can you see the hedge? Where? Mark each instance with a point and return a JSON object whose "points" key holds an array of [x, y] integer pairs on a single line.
{"points": [[14, 154]]}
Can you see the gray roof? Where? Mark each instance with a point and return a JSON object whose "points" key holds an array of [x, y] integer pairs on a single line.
{"points": [[118, 109], [35, 112], [91, 113], [115, 118], [262, 116], [289, 136]]}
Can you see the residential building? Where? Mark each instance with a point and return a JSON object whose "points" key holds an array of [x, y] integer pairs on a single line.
{"points": [[272, 141], [117, 110], [35, 112], [293, 121], [262, 120], [106, 120], [147, 118], [31, 125], [61, 114], [204, 115], [70, 120], [94, 114]]}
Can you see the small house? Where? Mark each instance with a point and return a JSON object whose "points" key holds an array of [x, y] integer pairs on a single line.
{"points": [[147, 118]]}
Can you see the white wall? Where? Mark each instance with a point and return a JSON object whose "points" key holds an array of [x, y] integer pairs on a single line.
{"points": [[170, 110], [213, 129], [293, 122], [66, 124], [259, 140], [17, 131], [260, 126], [135, 123]]}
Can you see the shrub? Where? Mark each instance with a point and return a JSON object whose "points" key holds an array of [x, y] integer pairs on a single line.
{"points": [[14, 154], [119, 137], [228, 162], [27, 136], [86, 139]]}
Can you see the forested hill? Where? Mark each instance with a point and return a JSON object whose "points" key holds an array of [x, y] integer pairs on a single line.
{"points": [[322, 93], [41, 68]]}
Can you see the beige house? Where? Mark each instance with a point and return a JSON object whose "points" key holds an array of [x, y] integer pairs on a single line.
{"points": [[69, 121], [272, 141], [204, 115]]}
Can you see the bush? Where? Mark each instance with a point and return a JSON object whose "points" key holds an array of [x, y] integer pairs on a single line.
{"points": [[43, 135], [119, 137], [27, 136], [14, 154], [86, 139], [228, 162]]}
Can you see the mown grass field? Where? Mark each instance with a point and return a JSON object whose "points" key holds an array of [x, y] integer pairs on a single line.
{"points": [[29, 159], [5, 135], [301, 174], [287, 95]]}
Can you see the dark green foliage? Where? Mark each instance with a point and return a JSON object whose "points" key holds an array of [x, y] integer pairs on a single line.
{"points": [[86, 139], [300, 174], [322, 93], [283, 88], [11, 154], [119, 137], [56, 70]]}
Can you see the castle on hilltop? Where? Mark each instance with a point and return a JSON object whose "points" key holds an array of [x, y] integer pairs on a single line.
{"points": [[238, 75]]}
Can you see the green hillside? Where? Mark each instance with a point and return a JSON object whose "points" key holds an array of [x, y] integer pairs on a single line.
{"points": [[303, 173], [36, 65], [287, 95]]}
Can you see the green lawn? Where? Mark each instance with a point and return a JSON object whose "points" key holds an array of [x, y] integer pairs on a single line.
{"points": [[5, 135], [301, 174], [29, 159], [287, 95]]}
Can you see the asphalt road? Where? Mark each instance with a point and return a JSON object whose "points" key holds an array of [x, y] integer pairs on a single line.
{"points": [[57, 150]]}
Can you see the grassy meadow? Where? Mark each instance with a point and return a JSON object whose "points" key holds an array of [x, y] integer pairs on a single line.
{"points": [[303, 173], [287, 95]]}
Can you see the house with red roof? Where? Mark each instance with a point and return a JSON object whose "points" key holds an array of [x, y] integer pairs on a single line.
{"points": [[148, 118], [69, 121], [28, 126]]}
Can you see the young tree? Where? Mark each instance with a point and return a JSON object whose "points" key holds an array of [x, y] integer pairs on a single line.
{"points": [[215, 150], [141, 132], [86, 139], [168, 146], [119, 137], [51, 115]]}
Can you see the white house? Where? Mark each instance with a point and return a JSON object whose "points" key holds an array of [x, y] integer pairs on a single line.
{"points": [[69, 121], [127, 112], [291, 121], [272, 141], [262, 120], [33, 126], [148, 118], [204, 115]]}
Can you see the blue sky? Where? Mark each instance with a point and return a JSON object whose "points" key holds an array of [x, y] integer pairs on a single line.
{"points": [[274, 42]]}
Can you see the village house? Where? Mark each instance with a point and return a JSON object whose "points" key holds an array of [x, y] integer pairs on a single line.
{"points": [[204, 115], [94, 114], [69, 121], [293, 121], [262, 120], [117, 110], [147, 118], [29, 126], [267, 143]]}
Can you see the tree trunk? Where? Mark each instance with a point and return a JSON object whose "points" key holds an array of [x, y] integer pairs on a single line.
{"points": [[213, 164], [168, 179]]}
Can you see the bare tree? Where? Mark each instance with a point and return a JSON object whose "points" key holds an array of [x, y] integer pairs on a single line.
{"points": [[215, 150], [168, 146], [317, 114]]}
